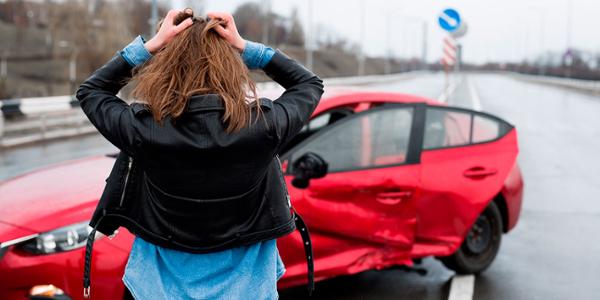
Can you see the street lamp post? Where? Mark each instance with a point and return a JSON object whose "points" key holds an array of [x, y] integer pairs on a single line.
{"points": [[308, 42], [72, 63], [153, 18], [3, 77], [388, 60], [424, 46], [542, 36], [73, 69], [266, 7], [569, 36], [361, 55], [3, 65]]}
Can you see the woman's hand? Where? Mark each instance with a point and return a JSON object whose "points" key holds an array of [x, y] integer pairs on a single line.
{"points": [[228, 30], [167, 31]]}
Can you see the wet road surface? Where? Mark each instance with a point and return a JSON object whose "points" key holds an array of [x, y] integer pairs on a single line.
{"points": [[553, 253], [16, 161]]}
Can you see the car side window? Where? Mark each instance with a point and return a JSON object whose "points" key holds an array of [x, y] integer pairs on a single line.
{"points": [[316, 124], [485, 129], [446, 128], [374, 138]]}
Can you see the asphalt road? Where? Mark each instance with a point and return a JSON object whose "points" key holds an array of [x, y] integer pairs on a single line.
{"points": [[554, 252]]}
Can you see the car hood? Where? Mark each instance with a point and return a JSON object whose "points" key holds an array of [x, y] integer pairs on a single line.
{"points": [[9, 232], [55, 196]]}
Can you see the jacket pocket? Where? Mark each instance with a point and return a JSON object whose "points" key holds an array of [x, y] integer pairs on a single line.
{"points": [[204, 220]]}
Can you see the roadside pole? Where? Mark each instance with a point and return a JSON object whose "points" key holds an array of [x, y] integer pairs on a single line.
{"points": [[153, 18], [457, 65], [424, 46], [446, 78], [388, 57], [448, 58], [3, 73], [457, 34], [3, 86], [73, 70], [3, 65], [266, 8], [308, 42], [361, 56]]}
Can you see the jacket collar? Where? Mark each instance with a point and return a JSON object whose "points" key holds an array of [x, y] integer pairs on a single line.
{"points": [[205, 102]]}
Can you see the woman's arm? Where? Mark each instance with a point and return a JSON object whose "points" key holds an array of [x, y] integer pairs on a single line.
{"points": [[303, 89], [112, 116], [108, 113]]}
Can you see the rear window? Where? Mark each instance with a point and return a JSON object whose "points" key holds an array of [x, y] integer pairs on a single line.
{"points": [[450, 127], [485, 129], [445, 128]]}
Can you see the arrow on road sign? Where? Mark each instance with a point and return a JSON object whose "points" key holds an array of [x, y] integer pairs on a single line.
{"points": [[449, 20]]}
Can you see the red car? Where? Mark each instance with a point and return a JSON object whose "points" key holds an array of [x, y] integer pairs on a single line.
{"points": [[407, 178]]}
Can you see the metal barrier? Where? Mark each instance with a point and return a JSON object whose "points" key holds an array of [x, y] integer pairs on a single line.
{"points": [[11, 108], [46, 126], [589, 86]]}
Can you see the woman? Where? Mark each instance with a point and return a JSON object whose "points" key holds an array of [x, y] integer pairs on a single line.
{"points": [[198, 180]]}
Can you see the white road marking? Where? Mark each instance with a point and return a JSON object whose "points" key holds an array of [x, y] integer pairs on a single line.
{"points": [[449, 91], [462, 287], [475, 100]]}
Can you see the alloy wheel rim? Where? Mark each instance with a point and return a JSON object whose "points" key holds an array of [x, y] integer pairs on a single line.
{"points": [[480, 236]]}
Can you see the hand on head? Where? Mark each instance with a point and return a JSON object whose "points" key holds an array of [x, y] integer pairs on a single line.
{"points": [[167, 31], [226, 29]]}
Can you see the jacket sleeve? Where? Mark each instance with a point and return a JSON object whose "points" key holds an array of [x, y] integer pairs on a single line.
{"points": [[303, 90], [113, 117]]}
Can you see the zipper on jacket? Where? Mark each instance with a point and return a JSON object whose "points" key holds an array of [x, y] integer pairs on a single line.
{"points": [[129, 163], [287, 195]]}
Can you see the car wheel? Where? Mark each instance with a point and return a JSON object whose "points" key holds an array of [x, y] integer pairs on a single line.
{"points": [[479, 249]]}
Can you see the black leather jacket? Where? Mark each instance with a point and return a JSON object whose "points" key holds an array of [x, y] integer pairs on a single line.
{"points": [[189, 185]]}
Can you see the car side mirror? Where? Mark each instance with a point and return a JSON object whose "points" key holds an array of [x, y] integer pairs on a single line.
{"points": [[308, 166]]}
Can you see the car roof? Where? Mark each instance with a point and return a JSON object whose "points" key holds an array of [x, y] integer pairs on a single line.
{"points": [[343, 96]]}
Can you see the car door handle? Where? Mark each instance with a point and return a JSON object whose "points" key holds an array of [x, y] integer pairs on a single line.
{"points": [[391, 198], [479, 172]]}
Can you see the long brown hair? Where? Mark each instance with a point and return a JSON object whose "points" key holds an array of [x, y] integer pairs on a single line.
{"points": [[197, 61]]}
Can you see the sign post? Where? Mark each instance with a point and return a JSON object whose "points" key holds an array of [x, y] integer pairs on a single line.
{"points": [[451, 22]]}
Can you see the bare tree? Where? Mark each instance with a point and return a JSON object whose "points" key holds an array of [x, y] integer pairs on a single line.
{"points": [[91, 32], [296, 34]]}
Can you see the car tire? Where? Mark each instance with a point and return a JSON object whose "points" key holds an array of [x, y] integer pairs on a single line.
{"points": [[479, 249]]}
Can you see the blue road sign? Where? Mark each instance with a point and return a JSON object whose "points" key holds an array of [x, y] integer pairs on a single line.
{"points": [[449, 20]]}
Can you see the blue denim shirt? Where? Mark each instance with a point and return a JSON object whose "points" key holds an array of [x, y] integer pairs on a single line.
{"points": [[255, 55], [154, 272]]}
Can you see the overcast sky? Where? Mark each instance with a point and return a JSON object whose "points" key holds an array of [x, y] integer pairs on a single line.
{"points": [[499, 30]]}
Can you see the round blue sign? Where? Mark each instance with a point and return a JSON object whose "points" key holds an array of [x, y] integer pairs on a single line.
{"points": [[449, 20]]}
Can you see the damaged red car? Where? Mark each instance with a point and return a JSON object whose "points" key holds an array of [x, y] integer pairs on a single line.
{"points": [[407, 178]]}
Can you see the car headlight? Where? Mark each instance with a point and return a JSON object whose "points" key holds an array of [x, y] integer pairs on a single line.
{"points": [[59, 240]]}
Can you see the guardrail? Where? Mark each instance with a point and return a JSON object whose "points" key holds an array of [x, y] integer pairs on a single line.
{"points": [[41, 127], [588, 86], [31, 120]]}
